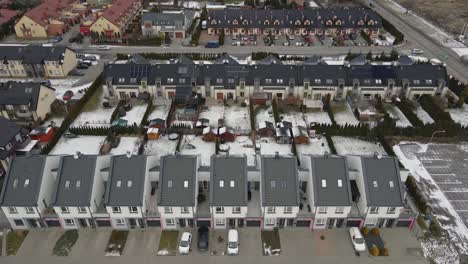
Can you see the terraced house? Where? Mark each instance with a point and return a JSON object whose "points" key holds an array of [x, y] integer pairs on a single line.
{"points": [[269, 78], [35, 61], [334, 21]]}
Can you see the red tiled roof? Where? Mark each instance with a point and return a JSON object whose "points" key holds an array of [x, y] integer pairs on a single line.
{"points": [[118, 9], [48, 9], [6, 15]]}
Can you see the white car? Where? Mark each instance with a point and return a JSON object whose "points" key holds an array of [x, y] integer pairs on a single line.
{"points": [[358, 240], [185, 242], [103, 47], [233, 242], [286, 43], [417, 51], [291, 37]]}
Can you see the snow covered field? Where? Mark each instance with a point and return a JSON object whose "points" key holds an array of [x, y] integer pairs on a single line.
{"points": [[460, 115], [161, 147], [264, 115], [396, 114], [315, 147], [354, 146], [296, 118], [423, 116], [243, 145], [96, 118], [131, 144], [320, 117], [202, 148], [135, 115], [268, 146], [346, 117], [160, 111], [237, 118], [213, 113], [91, 144]]}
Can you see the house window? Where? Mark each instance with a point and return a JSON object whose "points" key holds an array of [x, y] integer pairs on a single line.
{"points": [[231, 80], [9, 107], [391, 210], [133, 209], [271, 210], [322, 210], [119, 221], [220, 210], [279, 81], [69, 222], [64, 210], [219, 80], [170, 80], [416, 81], [288, 210], [220, 221], [81, 209], [329, 81], [167, 210], [116, 209], [268, 81], [269, 221], [374, 210], [184, 210], [320, 221], [339, 210], [170, 222], [181, 80], [12, 210], [236, 210], [19, 222], [317, 81]]}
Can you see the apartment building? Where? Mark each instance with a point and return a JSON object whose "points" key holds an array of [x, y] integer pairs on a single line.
{"points": [[12, 137], [279, 191], [178, 190], [228, 191], [35, 61], [128, 191], [330, 191], [50, 18], [25, 102], [80, 190], [112, 25], [173, 23], [27, 190], [330, 21], [270, 78]]}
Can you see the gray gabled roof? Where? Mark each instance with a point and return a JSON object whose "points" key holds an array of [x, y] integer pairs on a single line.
{"points": [[75, 181], [177, 171], [333, 171], [279, 181], [21, 93], [232, 172], [8, 130], [126, 183], [23, 181], [405, 60], [382, 181], [33, 54]]}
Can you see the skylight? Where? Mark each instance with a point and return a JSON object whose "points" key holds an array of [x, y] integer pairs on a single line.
{"points": [[26, 183], [129, 184], [375, 184], [185, 184], [324, 183], [391, 184], [78, 184], [221, 184], [169, 184], [119, 183], [273, 184], [232, 184], [67, 184], [340, 183]]}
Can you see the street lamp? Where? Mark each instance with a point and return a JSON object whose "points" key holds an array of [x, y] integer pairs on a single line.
{"points": [[441, 131]]}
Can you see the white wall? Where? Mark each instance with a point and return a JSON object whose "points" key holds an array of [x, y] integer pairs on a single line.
{"points": [[48, 184], [228, 212], [98, 182]]}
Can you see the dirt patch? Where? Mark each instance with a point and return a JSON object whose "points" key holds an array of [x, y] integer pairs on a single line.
{"points": [[450, 14]]}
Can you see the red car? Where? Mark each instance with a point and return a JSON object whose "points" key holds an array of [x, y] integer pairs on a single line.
{"points": [[67, 95]]}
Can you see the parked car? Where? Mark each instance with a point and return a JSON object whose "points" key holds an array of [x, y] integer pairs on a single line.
{"points": [[234, 37], [103, 47], [57, 39], [87, 62], [417, 51], [212, 44], [233, 242], [285, 43], [67, 95], [203, 238], [185, 242], [82, 66], [252, 38], [237, 43], [91, 58], [357, 239], [69, 134], [291, 37]]}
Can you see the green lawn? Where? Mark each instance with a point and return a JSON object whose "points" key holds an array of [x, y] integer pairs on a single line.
{"points": [[94, 101], [65, 243], [116, 243], [168, 243], [271, 242], [14, 241]]}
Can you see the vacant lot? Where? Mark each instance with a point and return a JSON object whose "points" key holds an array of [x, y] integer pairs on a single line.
{"points": [[449, 14]]}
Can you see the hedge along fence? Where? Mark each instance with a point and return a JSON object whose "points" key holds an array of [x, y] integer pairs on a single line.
{"points": [[104, 131], [437, 113], [399, 37], [274, 106], [115, 113], [253, 114], [75, 111], [149, 109], [170, 55]]}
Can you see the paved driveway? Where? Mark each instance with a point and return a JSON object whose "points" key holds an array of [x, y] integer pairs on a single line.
{"points": [[40, 242], [91, 242], [142, 241]]}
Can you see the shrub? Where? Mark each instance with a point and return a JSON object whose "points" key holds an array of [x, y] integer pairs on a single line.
{"points": [[374, 251], [365, 230], [435, 228], [375, 231], [384, 252]]}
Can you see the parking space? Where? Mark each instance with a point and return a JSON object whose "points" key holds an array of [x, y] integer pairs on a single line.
{"points": [[142, 241], [91, 242], [47, 238]]}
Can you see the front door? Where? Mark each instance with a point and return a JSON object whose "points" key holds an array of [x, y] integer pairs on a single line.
{"points": [[389, 222], [240, 222], [132, 223], [219, 96], [182, 222], [232, 222], [281, 222], [83, 222], [339, 222], [381, 222], [331, 223]]}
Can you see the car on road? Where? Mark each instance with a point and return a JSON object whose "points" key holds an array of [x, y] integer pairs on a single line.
{"points": [[57, 39], [291, 37], [203, 238], [234, 37], [233, 242], [357, 239], [417, 51], [67, 95], [236, 43], [185, 242], [82, 66], [103, 47]]}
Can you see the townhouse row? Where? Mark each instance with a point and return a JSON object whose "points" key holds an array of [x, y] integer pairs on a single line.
{"points": [[269, 78], [325, 21], [174, 191]]}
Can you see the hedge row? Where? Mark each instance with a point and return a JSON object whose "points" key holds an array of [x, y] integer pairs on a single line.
{"points": [[435, 111], [407, 109], [389, 27]]}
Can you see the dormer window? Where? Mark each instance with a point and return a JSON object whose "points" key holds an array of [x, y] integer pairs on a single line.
{"points": [[329, 23], [360, 22], [213, 22], [416, 81], [371, 23], [298, 23], [428, 81], [279, 81], [378, 81], [267, 22], [338, 23], [235, 22], [276, 23], [307, 22], [121, 80], [245, 22]]}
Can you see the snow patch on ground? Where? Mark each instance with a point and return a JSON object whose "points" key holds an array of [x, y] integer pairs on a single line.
{"points": [[160, 111], [423, 116], [296, 118], [396, 114], [346, 117], [213, 113], [243, 146], [135, 115], [131, 144], [161, 147], [202, 148], [91, 144], [237, 118], [264, 115], [268, 146], [460, 115], [440, 251], [320, 117], [315, 147], [96, 118], [354, 146]]}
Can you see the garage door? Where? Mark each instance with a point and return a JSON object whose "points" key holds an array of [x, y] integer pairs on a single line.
{"points": [[155, 223], [252, 223], [353, 223], [179, 35], [303, 223], [203, 223], [403, 223], [103, 223], [52, 223]]}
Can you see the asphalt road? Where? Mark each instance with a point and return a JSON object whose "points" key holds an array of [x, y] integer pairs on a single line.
{"points": [[431, 48]]}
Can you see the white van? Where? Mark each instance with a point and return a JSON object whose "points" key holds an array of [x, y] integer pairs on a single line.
{"points": [[233, 242]]}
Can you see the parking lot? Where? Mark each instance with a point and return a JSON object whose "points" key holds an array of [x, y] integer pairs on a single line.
{"points": [[298, 245]]}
